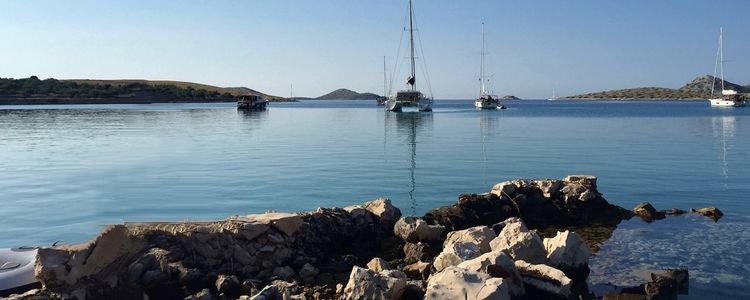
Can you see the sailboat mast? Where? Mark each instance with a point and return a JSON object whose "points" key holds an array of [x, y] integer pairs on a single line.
{"points": [[413, 78], [482, 90], [385, 87], [721, 55]]}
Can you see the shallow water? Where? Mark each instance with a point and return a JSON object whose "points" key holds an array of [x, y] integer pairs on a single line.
{"points": [[67, 170]]}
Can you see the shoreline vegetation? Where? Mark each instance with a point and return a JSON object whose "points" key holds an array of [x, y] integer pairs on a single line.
{"points": [[33, 90], [524, 239]]}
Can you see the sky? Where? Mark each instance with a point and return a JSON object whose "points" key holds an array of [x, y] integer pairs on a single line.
{"points": [[316, 46]]}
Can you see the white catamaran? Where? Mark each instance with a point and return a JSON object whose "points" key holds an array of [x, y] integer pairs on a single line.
{"points": [[411, 97], [729, 98], [485, 100]]}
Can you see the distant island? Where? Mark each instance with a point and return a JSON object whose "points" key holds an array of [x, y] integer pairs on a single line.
{"points": [[33, 90], [509, 97], [346, 94], [698, 88]]}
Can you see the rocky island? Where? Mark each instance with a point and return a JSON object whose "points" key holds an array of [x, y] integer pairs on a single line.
{"points": [[697, 89], [346, 94], [524, 239], [33, 90]]}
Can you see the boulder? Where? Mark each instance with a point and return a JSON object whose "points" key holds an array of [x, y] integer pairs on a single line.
{"points": [[457, 253], [384, 210], [549, 187], [307, 273], [228, 285], [520, 242], [414, 290], [378, 264], [544, 278], [367, 284], [647, 212], [504, 189], [414, 252], [497, 264], [711, 212], [413, 230], [284, 273], [418, 270], [567, 250], [588, 181], [479, 235], [204, 294], [458, 283], [285, 222]]}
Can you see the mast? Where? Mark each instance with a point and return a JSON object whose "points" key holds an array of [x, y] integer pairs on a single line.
{"points": [[412, 80], [481, 69], [385, 88], [721, 55]]}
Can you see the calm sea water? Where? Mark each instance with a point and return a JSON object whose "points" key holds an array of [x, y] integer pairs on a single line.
{"points": [[67, 170]]}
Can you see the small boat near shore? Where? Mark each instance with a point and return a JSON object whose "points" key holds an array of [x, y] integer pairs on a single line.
{"points": [[729, 98], [485, 100], [251, 102], [17, 269]]}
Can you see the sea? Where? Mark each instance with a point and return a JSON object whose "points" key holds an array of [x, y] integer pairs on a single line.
{"points": [[66, 171]]}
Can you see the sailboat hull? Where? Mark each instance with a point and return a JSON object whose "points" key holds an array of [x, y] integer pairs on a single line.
{"points": [[727, 103]]}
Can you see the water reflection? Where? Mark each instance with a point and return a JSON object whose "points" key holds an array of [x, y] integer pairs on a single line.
{"points": [[252, 119], [409, 125], [723, 135], [487, 124]]}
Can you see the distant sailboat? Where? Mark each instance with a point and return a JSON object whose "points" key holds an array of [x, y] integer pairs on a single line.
{"points": [[382, 99], [485, 100], [411, 97], [554, 97], [729, 98]]}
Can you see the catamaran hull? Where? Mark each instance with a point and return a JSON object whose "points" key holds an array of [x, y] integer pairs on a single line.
{"points": [[727, 103], [424, 104]]}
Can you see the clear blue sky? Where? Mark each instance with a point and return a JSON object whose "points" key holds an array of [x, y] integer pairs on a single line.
{"points": [[535, 46]]}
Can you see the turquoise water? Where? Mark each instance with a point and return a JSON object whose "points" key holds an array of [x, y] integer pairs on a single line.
{"points": [[67, 170]]}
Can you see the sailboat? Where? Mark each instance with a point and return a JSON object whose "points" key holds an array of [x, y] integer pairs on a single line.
{"points": [[729, 98], [554, 97], [410, 97], [485, 100], [382, 99]]}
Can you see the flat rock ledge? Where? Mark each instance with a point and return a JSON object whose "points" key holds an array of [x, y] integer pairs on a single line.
{"points": [[486, 246]]}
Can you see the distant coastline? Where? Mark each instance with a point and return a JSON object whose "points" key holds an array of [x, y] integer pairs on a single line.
{"points": [[698, 89]]}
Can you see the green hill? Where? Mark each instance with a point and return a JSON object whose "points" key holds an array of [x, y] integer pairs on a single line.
{"points": [[32, 90], [345, 94], [698, 88]]}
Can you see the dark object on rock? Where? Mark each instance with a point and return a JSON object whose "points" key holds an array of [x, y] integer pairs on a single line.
{"points": [[647, 212], [711, 212]]}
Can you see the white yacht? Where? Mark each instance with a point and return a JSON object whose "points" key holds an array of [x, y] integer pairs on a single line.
{"points": [[485, 100], [410, 97], [729, 98]]}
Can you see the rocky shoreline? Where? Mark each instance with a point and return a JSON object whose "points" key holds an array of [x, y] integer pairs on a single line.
{"points": [[525, 239]]}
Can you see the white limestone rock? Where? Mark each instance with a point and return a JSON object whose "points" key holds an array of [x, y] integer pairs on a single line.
{"points": [[545, 278], [365, 284], [458, 283], [497, 264], [520, 242], [479, 235], [567, 250], [413, 230], [457, 253]]}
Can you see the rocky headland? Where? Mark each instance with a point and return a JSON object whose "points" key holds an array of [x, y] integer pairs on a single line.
{"points": [[697, 89], [524, 239]]}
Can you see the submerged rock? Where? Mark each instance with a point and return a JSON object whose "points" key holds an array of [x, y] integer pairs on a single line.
{"points": [[647, 212], [458, 283], [711, 212]]}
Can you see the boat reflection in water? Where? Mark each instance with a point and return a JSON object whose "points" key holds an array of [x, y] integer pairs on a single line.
{"points": [[723, 134], [407, 126]]}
